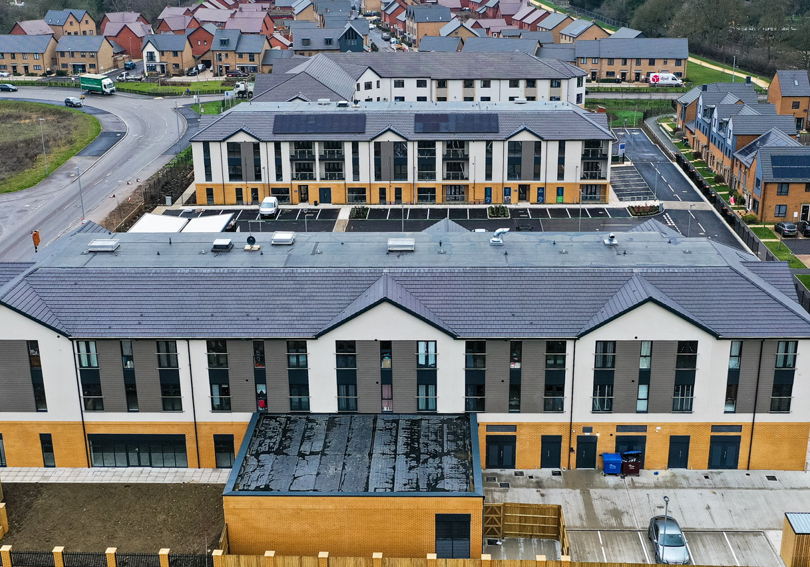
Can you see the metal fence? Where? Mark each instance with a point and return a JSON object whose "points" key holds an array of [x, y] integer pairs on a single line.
{"points": [[32, 558], [189, 560], [79, 559], [137, 560], [803, 293]]}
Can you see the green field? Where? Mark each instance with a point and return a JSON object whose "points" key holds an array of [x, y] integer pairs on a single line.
{"points": [[700, 75], [214, 107], [631, 110], [783, 253], [805, 279], [66, 131], [738, 72], [202, 87]]}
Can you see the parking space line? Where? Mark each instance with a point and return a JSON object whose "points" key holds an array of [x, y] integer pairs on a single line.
{"points": [[608, 213], [688, 550], [734, 555], [604, 555], [643, 548]]}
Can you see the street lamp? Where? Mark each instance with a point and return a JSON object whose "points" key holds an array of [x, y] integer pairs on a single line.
{"points": [[44, 154], [663, 534], [81, 197]]}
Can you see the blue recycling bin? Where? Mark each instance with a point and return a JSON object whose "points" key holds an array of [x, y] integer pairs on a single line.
{"points": [[612, 463]]}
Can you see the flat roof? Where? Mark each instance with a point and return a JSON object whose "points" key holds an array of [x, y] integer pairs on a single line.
{"points": [[152, 223], [213, 223], [358, 455]]}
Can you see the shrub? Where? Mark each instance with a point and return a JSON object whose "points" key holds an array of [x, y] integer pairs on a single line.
{"points": [[697, 155], [643, 210], [498, 212], [719, 179], [61, 73], [749, 218], [358, 213], [374, 47]]}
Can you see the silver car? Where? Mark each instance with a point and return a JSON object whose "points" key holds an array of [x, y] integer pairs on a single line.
{"points": [[668, 540]]}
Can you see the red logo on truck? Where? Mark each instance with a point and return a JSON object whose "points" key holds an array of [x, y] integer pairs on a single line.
{"points": [[655, 79]]}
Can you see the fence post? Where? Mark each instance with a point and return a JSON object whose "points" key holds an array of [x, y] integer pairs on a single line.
{"points": [[58, 556], [5, 555], [218, 560], [3, 520], [431, 560], [486, 560], [269, 559], [110, 553], [376, 559], [540, 560], [566, 559], [164, 557], [323, 559]]}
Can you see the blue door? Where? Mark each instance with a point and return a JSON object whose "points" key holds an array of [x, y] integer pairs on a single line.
{"points": [[507, 194], [488, 195], [325, 194]]}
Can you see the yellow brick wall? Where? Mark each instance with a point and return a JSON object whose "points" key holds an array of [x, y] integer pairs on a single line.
{"points": [[401, 526], [791, 438], [206, 432]]}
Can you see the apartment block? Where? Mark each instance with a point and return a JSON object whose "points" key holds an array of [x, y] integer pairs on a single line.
{"points": [[613, 348], [380, 153]]}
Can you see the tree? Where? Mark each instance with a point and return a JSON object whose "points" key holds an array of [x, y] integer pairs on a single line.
{"points": [[799, 40], [707, 20], [772, 24], [621, 10], [655, 17]]}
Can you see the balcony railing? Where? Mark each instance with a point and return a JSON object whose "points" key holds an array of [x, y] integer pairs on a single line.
{"points": [[93, 403], [594, 153], [593, 175], [682, 404], [426, 176], [172, 403], [304, 176], [303, 155], [780, 404], [332, 155], [602, 404], [553, 404], [456, 175], [456, 155], [220, 403], [333, 176], [474, 403]]}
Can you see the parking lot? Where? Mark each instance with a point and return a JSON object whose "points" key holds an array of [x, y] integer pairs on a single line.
{"points": [[318, 219], [628, 184]]}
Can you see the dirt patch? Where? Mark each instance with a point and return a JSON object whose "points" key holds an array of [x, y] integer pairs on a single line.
{"points": [[135, 518]]}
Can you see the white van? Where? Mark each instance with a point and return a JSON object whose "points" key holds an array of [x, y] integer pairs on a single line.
{"points": [[269, 207], [664, 80]]}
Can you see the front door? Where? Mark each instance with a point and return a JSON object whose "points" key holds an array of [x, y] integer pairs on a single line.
{"points": [[805, 213], [303, 193], [724, 451], [325, 194], [626, 443], [487, 195], [637, 77], [551, 451], [523, 192], [593, 75], [501, 451], [453, 536], [678, 452], [507, 195], [800, 124], [383, 195], [586, 452], [624, 76]]}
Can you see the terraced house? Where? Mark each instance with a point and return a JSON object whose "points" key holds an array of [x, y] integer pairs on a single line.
{"points": [[632, 59], [378, 153], [27, 54], [136, 350]]}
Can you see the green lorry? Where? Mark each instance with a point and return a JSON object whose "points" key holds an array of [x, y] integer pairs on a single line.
{"points": [[101, 84]]}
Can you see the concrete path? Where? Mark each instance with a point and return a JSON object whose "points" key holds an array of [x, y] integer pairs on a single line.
{"points": [[103, 474]]}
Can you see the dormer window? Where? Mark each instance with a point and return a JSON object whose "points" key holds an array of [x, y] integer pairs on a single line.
{"points": [[327, 41], [223, 41], [305, 41]]}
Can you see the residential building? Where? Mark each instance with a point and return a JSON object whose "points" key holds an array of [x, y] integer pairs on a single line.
{"points": [[278, 41], [171, 11], [554, 23], [218, 17], [490, 26], [201, 40], [349, 38], [425, 19], [177, 24], [31, 27], [528, 17], [234, 50], [167, 54], [70, 22], [393, 10], [252, 22], [423, 76], [548, 152], [273, 55], [790, 92], [27, 54], [626, 33], [686, 104], [501, 45], [323, 8], [128, 35], [449, 44], [614, 348], [581, 30], [122, 18], [457, 28], [632, 59], [88, 54], [304, 10]]}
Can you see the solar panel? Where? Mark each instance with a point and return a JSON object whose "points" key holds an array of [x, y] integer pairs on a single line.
{"points": [[791, 161], [320, 123], [455, 123]]}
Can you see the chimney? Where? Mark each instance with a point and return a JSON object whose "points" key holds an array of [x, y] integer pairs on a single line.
{"points": [[704, 87], [748, 80]]}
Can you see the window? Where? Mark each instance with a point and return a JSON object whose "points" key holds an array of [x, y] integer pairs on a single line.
{"points": [[731, 398], [666, 61], [514, 83], [610, 61], [486, 84], [624, 61], [781, 396], [299, 381], [683, 398], [469, 99], [3, 462], [561, 160], [426, 354], [217, 354], [239, 196], [48, 459], [795, 105], [786, 354], [538, 161], [367, 86], [137, 450], [610, 73], [514, 160], [532, 83], [207, 160], [223, 451], [356, 194], [605, 355], [603, 397], [687, 355], [400, 161], [387, 389], [327, 41], [399, 99], [169, 376], [469, 84], [296, 354], [475, 368], [678, 62], [583, 60], [426, 195], [234, 161], [554, 376], [421, 83], [594, 60], [652, 61], [426, 397], [515, 362], [399, 84], [277, 157], [441, 84], [209, 195], [646, 355], [735, 356], [128, 365], [35, 367], [643, 398], [488, 162], [485, 99], [88, 356]]}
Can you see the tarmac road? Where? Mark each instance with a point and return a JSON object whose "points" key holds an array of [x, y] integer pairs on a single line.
{"points": [[147, 129]]}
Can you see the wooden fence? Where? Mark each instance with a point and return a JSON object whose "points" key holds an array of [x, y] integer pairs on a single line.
{"points": [[510, 519]]}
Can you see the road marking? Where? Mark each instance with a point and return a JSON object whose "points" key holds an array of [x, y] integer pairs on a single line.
{"points": [[691, 557], [732, 550], [608, 213], [604, 555], [662, 177], [679, 197], [643, 548], [701, 227]]}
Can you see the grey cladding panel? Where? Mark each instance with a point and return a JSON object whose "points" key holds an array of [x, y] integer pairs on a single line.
{"points": [[147, 378], [527, 160], [278, 384], [403, 362], [532, 376], [111, 373], [16, 390], [747, 386], [240, 376], [368, 377], [766, 376], [625, 378], [662, 377], [497, 377]]}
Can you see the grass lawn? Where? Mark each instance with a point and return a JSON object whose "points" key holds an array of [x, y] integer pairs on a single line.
{"points": [[699, 75], [201, 87], [66, 130], [631, 109], [763, 232], [784, 254], [739, 73], [213, 107], [805, 279]]}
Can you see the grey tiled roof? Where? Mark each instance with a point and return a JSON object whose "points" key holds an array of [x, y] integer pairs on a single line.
{"points": [[767, 154], [90, 226], [793, 83], [171, 11], [272, 55], [552, 21], [576, 28], [316, 38], [750, 125], [177, 22], [139, 294], [775, 275], [544, 37], [647, 48], [439, 44], [251, 43], [89, 43], [626, 33], [358, 454], [24, 43], [562, 52], [59, 17], [500, 45], [168, 41], [772, 137], [10, 270], [744, 91], [422, 13], [444, 226]]}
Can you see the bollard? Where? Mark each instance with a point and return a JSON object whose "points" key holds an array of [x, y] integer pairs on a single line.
{"points": [[269, 559], [58, 557], [376, 559], [323, 559], [110, 553], [540, 560]]}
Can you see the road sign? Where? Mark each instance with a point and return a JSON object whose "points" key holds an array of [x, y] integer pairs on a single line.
{"points": [[622, 147]]}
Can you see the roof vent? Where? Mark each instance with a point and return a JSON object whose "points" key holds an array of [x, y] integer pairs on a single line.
{"points": [[497, 238], [795, 83], [611, 240], [222, 245], [281, 238], [323, 101], [401, 244], [520, 100], [343, 104], [103, 245]]}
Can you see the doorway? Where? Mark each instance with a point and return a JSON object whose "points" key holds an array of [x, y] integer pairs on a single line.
{"points": [[724, 451], [501, 451], [383, 195], [453, 536], [551, 451], [325, 195], [637, 77], [507, 195], [624, 76], [805, 215], [303, 193], [523, 192], [678, 452], [626, 443], [586, 451]]}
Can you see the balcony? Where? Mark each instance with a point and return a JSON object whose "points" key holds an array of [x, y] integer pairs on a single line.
{"points": [[302, 155], [594, 153], [456, 155], [456, 176], [426, 176], [303, 176], [602, 404], [682, 404], [553, 404], [332, 176], [332, 155], [594, 175], [780, 404]]}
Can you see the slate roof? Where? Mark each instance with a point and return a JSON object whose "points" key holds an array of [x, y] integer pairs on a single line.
{"points": [[652, 48], [112, 29], [500, 45], [59, 17], [167, 41], [212, 15], [744, 91], [552, 20], [24, 43], [300, 6], [35, 27], [439, 44], [576, 28], [766, 163], [251, 43], [88, 43], [793, 83], [123, 17], [450, 27], [524, 11], [10, 270], [272, 55], [563, 52], [544, 37], [244, 25], [317, 39], [534, 16], [753, 125], [178, 22], [139, 294], [380, 454], [771, 138], [626, 33], [423, 13], [170, 11], [451, 4]]}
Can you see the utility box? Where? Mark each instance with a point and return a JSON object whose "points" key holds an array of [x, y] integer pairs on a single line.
{"points": [[795, 549]]}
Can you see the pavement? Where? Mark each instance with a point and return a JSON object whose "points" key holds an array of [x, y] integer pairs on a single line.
{"points": [[139, 136], [112, 474]]}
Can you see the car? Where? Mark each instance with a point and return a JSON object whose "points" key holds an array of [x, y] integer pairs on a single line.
{"points": [[201, 67], [237, 73], [667, 538], [129, 65], [386, 36], [804, 228], [394, 41], [74, 102], [193, 71], [5, 74], [269, 207], [786, 229], [7, 87]]}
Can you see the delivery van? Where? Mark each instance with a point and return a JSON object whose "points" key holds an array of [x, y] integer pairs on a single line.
{"points": [[664, 80]]}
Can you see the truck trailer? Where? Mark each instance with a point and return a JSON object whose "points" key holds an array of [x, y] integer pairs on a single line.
{"points": [[101, 84]]}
